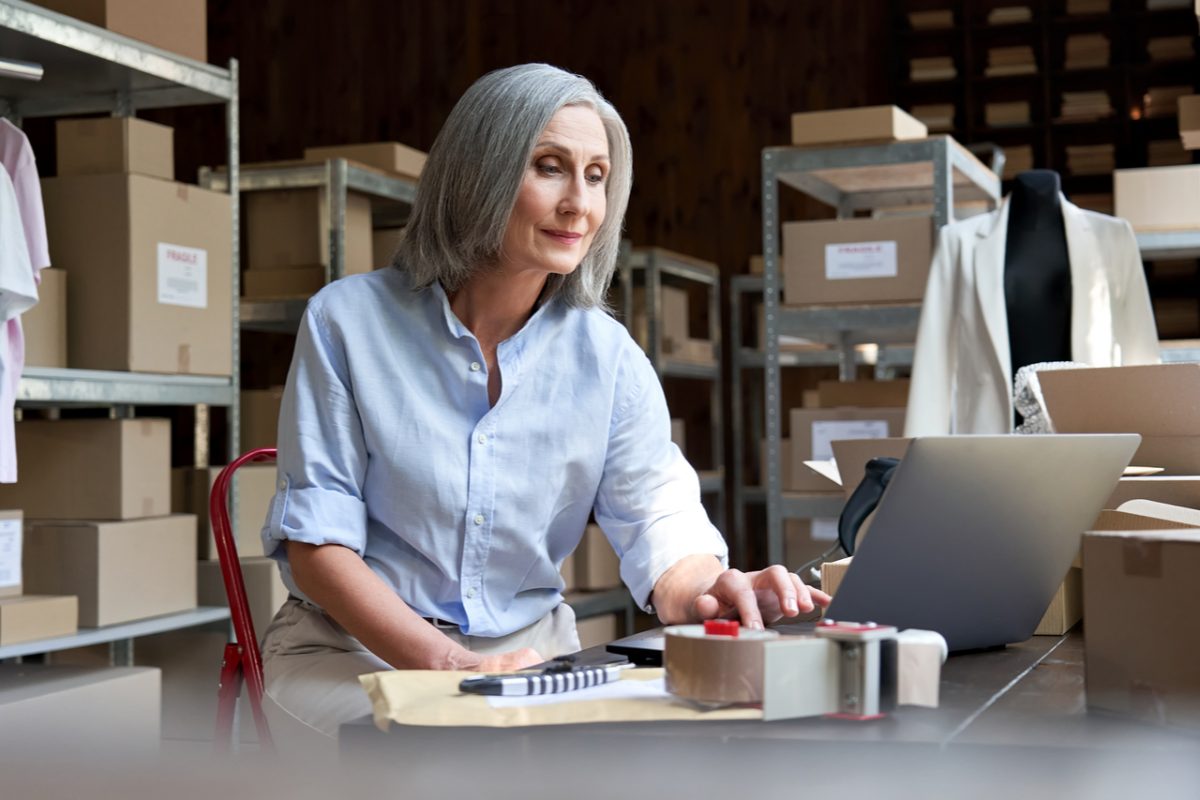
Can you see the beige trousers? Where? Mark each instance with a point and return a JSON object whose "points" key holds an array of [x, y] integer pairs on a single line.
{"points": [[312, 664]]}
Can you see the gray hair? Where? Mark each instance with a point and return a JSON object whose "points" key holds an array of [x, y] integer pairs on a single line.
{"points": [[470, 182]]}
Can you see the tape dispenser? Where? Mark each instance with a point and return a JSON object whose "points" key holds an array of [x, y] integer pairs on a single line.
{"points": [[845, 669]]}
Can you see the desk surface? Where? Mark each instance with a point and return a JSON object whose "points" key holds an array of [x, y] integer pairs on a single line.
{"points": [[1023, 703]]}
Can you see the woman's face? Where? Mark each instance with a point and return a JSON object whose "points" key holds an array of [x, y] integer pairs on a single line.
{"points": [[561, 202]]}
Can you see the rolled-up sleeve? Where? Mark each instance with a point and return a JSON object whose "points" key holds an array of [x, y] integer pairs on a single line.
{"points": [[322, 454], [648, 503]]}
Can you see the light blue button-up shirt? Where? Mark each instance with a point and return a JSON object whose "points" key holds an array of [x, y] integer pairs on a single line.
{"points": [[388, 446]]}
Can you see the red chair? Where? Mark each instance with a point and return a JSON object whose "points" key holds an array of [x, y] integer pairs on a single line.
{"points": [[242, 657]]}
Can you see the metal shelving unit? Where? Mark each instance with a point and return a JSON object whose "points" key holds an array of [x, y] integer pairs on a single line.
{"points": [[936, 171], [885, 360], [653, 264], [392, 197], [73, 67]]}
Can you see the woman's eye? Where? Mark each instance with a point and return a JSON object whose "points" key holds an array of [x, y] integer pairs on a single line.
{"points": [[595, 177], [548, 169]]}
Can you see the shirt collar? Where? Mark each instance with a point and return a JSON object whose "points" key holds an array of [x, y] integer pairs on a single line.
{"points": [[457, 329]]}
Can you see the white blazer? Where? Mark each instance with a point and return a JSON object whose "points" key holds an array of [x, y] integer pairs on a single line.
{"points": [[962, 371]]}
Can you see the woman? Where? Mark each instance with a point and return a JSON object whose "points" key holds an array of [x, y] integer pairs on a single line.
{"points": [[450, 423]]}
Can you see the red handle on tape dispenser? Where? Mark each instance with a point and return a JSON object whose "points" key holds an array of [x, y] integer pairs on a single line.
{"points": [[721, 627]]}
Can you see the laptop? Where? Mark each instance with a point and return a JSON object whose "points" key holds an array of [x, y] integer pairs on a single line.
{"points": [[971, 538]]}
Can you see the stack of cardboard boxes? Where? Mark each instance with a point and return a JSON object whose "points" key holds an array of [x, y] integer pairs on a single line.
{"points": [[96, 500], [593, 566]]}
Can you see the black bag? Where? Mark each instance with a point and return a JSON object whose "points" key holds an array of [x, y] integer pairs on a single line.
{"points": [[864, 499]]}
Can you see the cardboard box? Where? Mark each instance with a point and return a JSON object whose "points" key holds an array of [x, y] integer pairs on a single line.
{"points": [[856, 260], [154, 255], [693, 351], [1066, 607], [806, 539], [595, 631], [856, 125], [1142, 640], [120, 571], [26, 618], [45, 325], [1177, 490], [180, 26], [1139, 399], [107, 715], [863, 394], [92, 469], [265, 591], [260, 417], [387, 156], [286, 282], [596, 564], [106, 145], [1158, 198], [10, 553], [384, 242], [672, 324], [255, 484], [1189, 121], [290, 228], [814, 429], [852, 455], [757, 265]]}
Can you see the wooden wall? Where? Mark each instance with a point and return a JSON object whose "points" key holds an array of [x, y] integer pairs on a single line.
{"points": [[703, 86]]}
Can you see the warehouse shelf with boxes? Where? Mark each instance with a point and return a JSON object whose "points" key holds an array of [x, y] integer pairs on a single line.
{"points": [[849, 281], [138, 309], [658, 301]]}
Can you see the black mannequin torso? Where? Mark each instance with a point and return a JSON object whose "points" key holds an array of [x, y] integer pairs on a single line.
{"points": [[1037, 272]]}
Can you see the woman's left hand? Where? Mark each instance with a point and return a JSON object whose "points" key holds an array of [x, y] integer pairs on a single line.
{"points": [[757, 598]]}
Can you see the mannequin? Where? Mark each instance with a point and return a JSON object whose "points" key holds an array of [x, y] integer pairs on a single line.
{"points": [[1037, 272]]}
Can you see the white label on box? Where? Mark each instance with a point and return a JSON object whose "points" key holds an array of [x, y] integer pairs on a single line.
{"points": [[824, 529], [851, 260], [182, 276], [825, 432], [10, 553]]}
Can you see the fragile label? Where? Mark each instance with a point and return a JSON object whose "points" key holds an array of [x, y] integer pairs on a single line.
{"points": [[825, 432], [182, 276], [825, 529], [851, 260], [10, 553]]}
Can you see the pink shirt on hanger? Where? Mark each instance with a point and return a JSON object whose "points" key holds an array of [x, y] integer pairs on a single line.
{"points": [[18, 293]]}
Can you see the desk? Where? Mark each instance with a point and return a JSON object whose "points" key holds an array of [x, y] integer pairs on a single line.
{"points": [[1017, 714]]}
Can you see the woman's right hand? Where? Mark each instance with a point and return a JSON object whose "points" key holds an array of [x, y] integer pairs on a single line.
{"points": [[509, 662]]}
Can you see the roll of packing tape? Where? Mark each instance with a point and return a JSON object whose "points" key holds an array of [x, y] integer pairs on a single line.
{"points": [[708, 668]]}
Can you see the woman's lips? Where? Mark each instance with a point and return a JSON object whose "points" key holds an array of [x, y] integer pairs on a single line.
{"points": [[564, 237]]}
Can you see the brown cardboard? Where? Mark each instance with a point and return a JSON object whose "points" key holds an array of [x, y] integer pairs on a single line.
{"points": [[1066, 607], [45, 325], [1189, 121], [92, 469], [1158, 198], [1158, 401], [852, 456], [806, 539], [863, 394], [290, 228], [595, 631], [1177, 490], [286, 282], [805, 266], [387, 156], [856, 125], [832, 573], [757, 265], [255, 484], [265, 591], [104, 145], [384, 242], [28, 617], [10, 553], [134, 247], [120, 571], [596, 565], [180, 26], [803, 421], [693, 351], [1142, 640], [673, 322], [260, 417]]}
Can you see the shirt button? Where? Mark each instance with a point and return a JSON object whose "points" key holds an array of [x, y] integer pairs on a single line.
{"points": [[481, 439], [475, 367], [470, 593], [479, 519], [282, 485]]}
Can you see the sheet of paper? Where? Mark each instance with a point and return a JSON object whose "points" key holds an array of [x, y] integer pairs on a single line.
{"points": [[617, 690], [824, 529], [824, 432], [826, 469], [853, 260], [10, 553]]}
